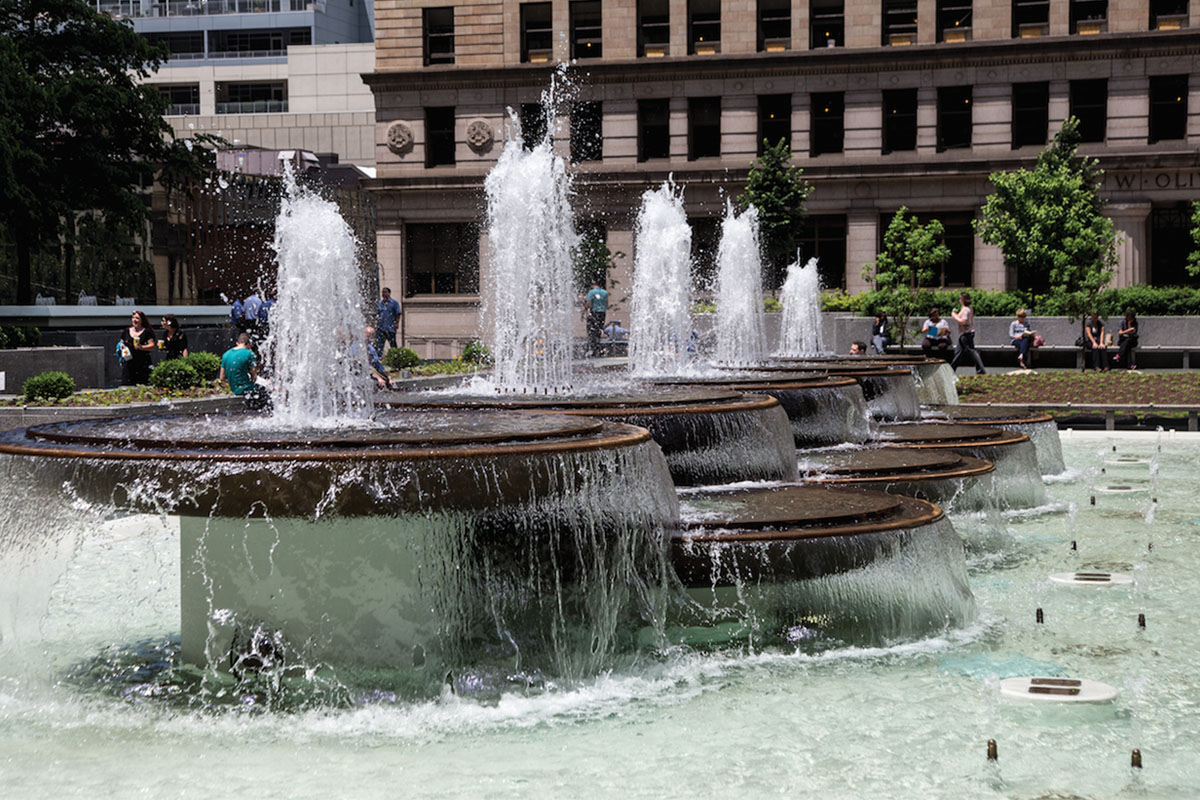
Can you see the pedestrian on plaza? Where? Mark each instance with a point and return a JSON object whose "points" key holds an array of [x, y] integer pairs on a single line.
{"points": [[136, 343], [965, 318], [595, 307], [935, 334], [378, 371], [1093, 332], [1022, 337], [1127, 340], [250, 308], [879, 333], [174, 343], [387, 314]]}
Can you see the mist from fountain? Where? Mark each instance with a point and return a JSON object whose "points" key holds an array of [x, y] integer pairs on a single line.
{"points": [[800, 333], [529, 285], [316, 340], [740, 339], [661, 318]]}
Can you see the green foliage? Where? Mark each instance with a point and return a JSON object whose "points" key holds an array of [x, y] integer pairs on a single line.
{"points": [[778, 190], [911, 252], [772, 305], [1193, 262], [207, 365], [704, 307], [401, 358], [594, 261], [174, 374], [19, 336], [838, 300], [1048, 223], [48, 386], [475, 352]]}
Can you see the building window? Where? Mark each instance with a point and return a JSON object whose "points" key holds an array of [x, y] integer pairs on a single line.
{"points": [[1089, 104], [252, 98], [1168, 107], [1168, 15], [704, 127], [1030, 113], [442, 258], [654, 129], [653, 28], [1170, 235], [953, 20], [256, 43], [537, 33], [182, 98], [706, 242], [823, 237], [533, 124], [438, 27], [899, 120], [954, 117], [1089, 16], [774, 26], [585, 29], [181, 46], [587, 136], [826, 123], [960, 239], [899, 22], [1030, 18], [827, 21], [774, 120], [704, 27], [439, 136]]}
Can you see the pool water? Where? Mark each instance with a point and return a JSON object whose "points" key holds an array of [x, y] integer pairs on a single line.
{"points": [[908, 720]]}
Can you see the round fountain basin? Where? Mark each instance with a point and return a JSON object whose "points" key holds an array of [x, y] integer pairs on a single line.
{"points": [[822, 410], [1018, 479], [708, 436], [891, 393], [1039, 426], [933, 376], [777, 558], [951, 479]]}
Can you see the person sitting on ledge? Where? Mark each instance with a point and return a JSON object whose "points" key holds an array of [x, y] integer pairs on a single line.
{"points": [[935, 335], [858, 348], [378, 371], [239, 367], [879, 333], [614, 332]]}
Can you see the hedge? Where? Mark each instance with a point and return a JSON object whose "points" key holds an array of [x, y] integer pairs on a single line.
{"points": [[1149, 301], [207, 365], [401, 358], [48, 386], [175, 374]]}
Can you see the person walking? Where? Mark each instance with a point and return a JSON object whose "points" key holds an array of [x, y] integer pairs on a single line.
{"points": [[595, 306], [387, 314], [965, 317]]}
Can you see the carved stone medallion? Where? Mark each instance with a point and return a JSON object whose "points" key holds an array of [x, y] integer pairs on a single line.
{"points": [[399, 137], [479, 134]]}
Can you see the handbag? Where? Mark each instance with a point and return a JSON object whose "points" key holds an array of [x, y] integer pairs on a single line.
{"points": [[1038, 341], [1081, 342], [123, 352]]}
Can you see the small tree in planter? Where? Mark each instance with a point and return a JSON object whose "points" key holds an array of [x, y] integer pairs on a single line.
{"points": [[779, 191], [911, 254]]}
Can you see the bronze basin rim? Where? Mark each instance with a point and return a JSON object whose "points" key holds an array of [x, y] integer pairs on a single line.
{"points": [[972, 467], [741, 403], [1005, 439], [790, 504]]}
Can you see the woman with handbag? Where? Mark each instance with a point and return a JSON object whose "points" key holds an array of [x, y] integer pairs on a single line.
{"points": [[1022, 337], [138, 340]]}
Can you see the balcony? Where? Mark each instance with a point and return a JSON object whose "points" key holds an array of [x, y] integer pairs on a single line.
{"points": [[1170, 22], [957, 34], [253, 107], [1032, 30], [183, 110], [193, 8]]}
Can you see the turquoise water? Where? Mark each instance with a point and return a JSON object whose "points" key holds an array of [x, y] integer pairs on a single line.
{"points": [[905, 721]]}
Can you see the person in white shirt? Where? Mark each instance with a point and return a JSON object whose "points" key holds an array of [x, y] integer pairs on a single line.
{"points": [[965, 317]]}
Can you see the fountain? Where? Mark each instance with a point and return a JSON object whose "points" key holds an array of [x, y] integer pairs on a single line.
{"points": [[800, 333], [1038, 426], [661, 283], [738, 290]]}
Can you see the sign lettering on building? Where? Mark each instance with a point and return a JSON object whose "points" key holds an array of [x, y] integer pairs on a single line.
{"points": [[1148, 180]]}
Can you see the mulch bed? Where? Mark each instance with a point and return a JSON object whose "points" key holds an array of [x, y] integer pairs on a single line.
{"points": [[1118, 387]]}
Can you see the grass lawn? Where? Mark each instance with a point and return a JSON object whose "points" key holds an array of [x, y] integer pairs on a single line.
{"points": [[1170, 388]]}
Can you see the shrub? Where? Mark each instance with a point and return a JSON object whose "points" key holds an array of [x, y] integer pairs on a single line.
{"points": [[401, 358], [48, 386], [704, 307], [175, 374], [772, 305], [838, 300], [207, 365], [476, 352], [5, 341]]}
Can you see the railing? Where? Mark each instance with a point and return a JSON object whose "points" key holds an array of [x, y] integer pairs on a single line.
{"points": [[181, 109], [253, 107], [246, 53], [192, 8]]}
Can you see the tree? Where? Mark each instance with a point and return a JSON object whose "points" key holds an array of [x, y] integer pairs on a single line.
{"points": [[1193, 262], [911, 254], [778, 190], [1048, 223], [77, 129]]}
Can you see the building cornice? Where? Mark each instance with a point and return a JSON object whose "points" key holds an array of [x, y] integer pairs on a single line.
{"points": [[821, 61]]}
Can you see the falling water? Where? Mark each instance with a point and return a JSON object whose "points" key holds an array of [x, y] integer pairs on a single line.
{"points": [[529, 288], [801, 297], [661, 281], [739, 326], [316, 338]]}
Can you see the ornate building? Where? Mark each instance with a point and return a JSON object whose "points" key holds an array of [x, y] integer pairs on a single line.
{"points": [[884, 102]]}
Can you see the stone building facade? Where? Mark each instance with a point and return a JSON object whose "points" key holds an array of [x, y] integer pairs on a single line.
{"points": [[885, 103]]}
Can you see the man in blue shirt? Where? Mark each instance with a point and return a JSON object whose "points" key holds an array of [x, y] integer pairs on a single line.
{"points": [[387, 312], [595, 305]]}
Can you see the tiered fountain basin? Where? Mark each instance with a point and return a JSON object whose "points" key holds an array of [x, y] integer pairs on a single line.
{"points": [[709, 436], [1018, 478], [822, 411], [934, 378], [954, 481], [814, 562], [416, 543], [1038, 426], [890, 392]]}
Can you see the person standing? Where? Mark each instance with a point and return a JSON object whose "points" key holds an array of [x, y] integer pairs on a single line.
{"points": [[250, 308], [965, 317], [138, 339], [174, 342], [387, 314], [595, 306]]}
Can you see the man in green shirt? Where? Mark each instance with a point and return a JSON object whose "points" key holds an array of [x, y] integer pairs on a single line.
{"points": [[595, 305], [239, 366]]}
